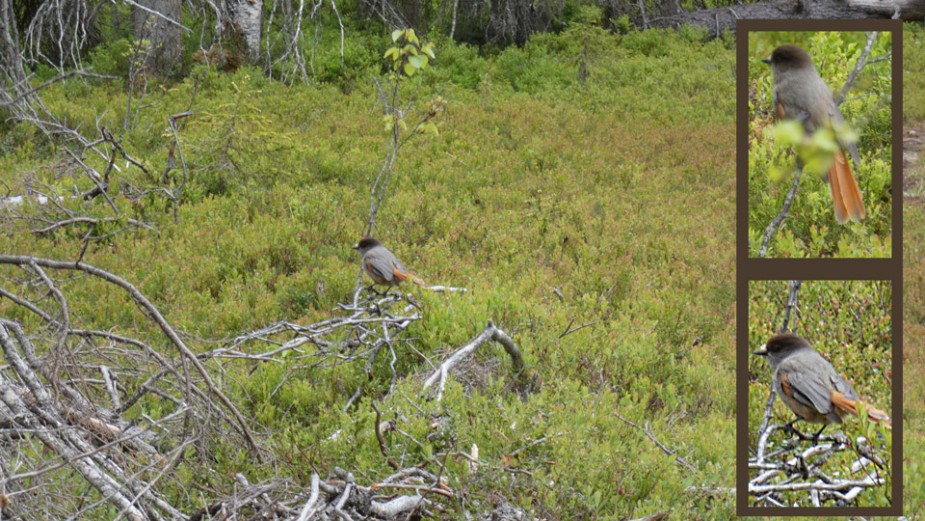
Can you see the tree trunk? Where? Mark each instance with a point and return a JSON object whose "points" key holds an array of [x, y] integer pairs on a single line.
{"points": [[245, 18], [12, 73], [157, 22], [724, 18]]}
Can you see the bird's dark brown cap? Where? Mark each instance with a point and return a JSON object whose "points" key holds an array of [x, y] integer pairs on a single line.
{"points": [[789, 56], [366, 243], [781, 345]]}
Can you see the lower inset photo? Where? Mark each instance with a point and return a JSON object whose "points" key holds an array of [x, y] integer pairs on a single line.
{"points": [[820, 400]]}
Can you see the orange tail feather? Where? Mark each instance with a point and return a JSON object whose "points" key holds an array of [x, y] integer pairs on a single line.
{"points": [[845, 192], [843, 403], [402, 276]]}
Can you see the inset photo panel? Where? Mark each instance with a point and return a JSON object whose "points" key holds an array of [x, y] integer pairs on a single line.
{"points": [[822, 122], [822, 400]]}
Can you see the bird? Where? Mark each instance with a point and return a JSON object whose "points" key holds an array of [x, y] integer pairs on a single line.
{"points": [[799, 93], [382, 265], [810, 386]]}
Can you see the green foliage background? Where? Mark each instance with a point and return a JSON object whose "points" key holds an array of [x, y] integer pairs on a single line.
{"points": [[618, 191], [810, 230]]}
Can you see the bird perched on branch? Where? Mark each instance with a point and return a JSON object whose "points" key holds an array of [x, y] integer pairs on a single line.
{"points": [[810, 386], [799, 93], [382, 265]]}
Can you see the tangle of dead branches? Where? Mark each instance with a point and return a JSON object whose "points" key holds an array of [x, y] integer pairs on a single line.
{"points": [[78, 402], [361, 332]]}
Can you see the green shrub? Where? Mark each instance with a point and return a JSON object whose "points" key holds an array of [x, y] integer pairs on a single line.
{"points": [[113, 57]]}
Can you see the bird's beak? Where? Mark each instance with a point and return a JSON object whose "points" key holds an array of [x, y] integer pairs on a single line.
{"points": [[766, 60], [763, 351], [355, 246]]}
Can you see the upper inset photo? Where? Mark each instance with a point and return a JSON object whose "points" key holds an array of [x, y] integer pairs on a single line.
{"points": [[820, 144]]}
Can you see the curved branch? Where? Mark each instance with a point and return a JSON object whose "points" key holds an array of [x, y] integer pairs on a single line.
{"points": [[491, 332]]}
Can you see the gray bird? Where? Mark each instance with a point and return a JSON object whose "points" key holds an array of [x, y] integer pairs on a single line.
{"points": [[382, 265], [800, 93], [809, 385]]}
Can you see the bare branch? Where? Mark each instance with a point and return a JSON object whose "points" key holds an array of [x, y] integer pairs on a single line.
{"points": [[862, 61], [309, 509], [784, 212], [791, 305], [160, 15], [491, 332], [61, 77], [647, 430]]}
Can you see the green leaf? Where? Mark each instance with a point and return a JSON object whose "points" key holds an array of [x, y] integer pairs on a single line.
{"points": [[788, 133], [845, 134], [418, 61], [824, 141], [776, 173], [817, 164], [409, 70], [396, 34]]}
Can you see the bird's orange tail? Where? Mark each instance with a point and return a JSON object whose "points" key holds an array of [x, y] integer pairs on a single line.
{"points": [[402, 276], [845, 192], [846, 404]]}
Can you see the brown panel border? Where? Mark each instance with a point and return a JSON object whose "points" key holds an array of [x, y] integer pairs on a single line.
{"points": [[819, 269]]}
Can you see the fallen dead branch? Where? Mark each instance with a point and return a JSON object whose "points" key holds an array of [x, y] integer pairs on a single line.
{"points": [[337, 497], [363, 330], [409, 493], [41, 414], [92, 409], [647, 430], [188, 357], [491, 332], [445, 289], [796, 467], [658, 516], [89, 160]]}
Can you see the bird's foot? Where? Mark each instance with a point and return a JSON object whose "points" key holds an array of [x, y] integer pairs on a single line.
{"points": [[816, 436], [788, 428]]}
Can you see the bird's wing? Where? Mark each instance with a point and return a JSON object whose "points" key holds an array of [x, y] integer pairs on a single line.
{"points": [[853, 150], [806, 387], [399, 267], [376, 266], [836, 116], [840, 385]]}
